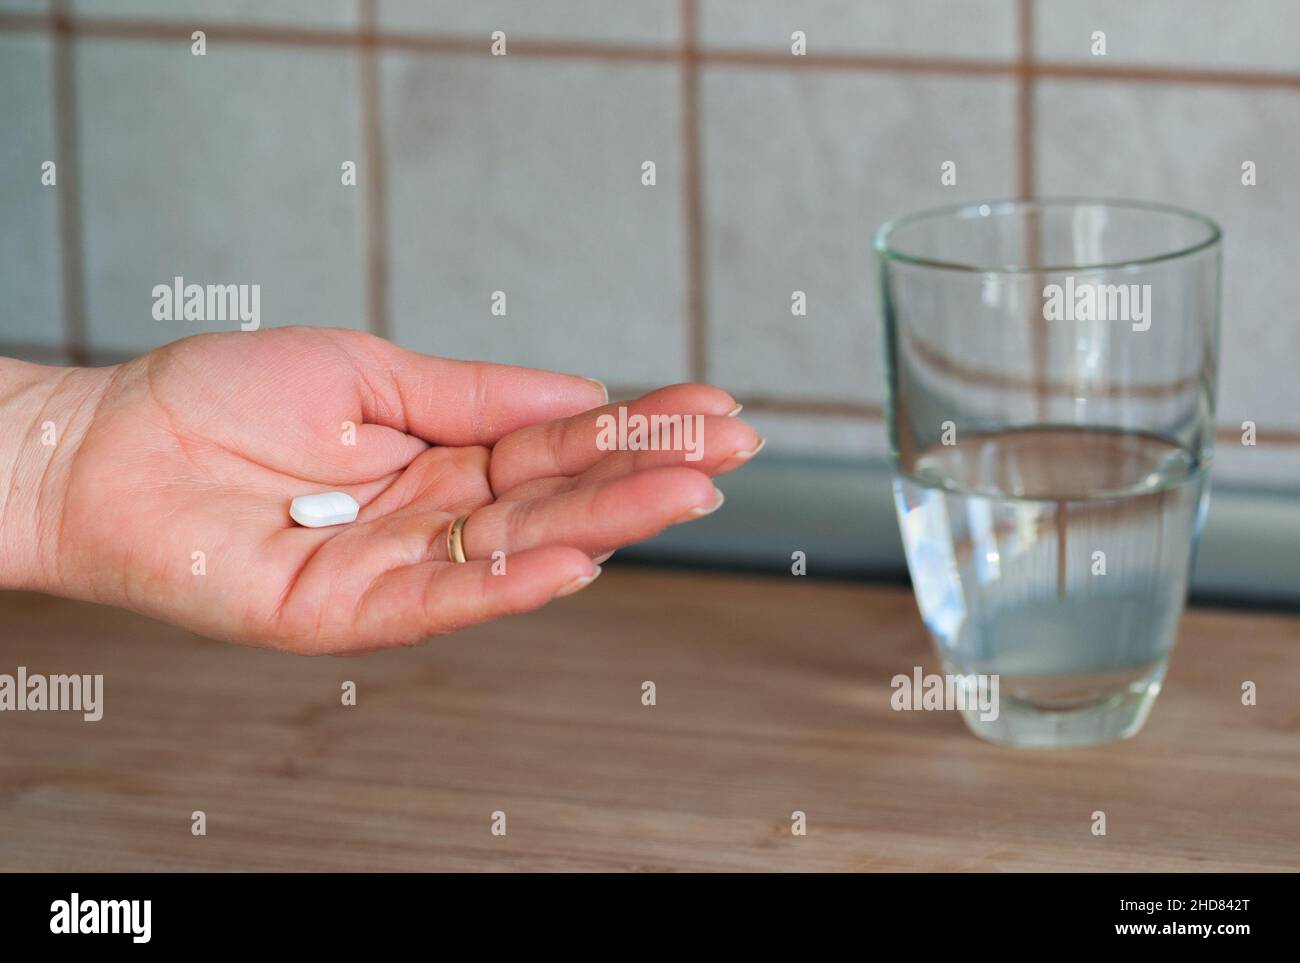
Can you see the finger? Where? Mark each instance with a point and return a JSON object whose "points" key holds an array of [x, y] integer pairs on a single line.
{"points": [[413, 602], [574, 444], [449, 402], [729, 444], [594, 519]]}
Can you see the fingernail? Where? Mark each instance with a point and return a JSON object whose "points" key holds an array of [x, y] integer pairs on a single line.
{"points": [[735, 411], [739, 458], [577, 585], [697, 512], [600, 559], [601, 386]]}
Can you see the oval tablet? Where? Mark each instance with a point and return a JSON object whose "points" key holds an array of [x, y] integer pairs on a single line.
{"points": [[327, 508]]}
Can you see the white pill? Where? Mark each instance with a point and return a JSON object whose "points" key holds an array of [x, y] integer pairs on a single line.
{"points": [[327, 508]]}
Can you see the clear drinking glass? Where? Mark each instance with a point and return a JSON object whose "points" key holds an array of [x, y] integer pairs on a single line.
{"points": [[1051, 370]]}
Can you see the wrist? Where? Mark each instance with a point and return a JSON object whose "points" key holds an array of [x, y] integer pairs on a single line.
{"points": [[45, 413]]}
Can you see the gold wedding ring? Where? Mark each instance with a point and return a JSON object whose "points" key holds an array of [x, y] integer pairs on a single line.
{"points": [[455, 546]]}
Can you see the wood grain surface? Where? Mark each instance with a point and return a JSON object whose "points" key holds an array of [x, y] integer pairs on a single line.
{"points": [[772, 696]]}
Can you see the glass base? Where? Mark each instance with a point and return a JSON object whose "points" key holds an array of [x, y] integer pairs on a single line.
{"points": [[1024, 725]]}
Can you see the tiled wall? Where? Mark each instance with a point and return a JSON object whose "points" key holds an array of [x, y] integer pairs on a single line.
{"points": [[523, 174]]}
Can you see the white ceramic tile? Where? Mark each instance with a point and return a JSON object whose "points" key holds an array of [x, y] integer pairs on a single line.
{"points": [[31, 306], [1269, 463], [221, 169], [820, 436], [23, 6], [524, 177], [1255, 34], [628, 21], [1186, 145], [299, 13], [975, 29], [800, 169]]}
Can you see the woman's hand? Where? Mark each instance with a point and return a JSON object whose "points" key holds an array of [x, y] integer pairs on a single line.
{"points": [[168, 484]]}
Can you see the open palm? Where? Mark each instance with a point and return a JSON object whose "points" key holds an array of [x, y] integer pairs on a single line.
{"points": [[177, 499]]}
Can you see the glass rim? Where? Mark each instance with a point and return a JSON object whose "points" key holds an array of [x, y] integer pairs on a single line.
{"points": [[981, 209]]}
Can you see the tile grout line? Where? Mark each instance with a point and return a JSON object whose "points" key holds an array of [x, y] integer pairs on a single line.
{"points": [[865, 62], [66, 148], [697, 361], [140, 29], [1027, 185], [1025, 87], [1178, 76], [15, 23], [376, 202]]}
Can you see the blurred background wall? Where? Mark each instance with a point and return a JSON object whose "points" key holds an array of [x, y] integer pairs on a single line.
{"points": [[524, 174]]}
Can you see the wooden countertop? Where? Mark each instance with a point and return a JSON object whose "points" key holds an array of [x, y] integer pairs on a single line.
{"points": [[772, 696]]}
